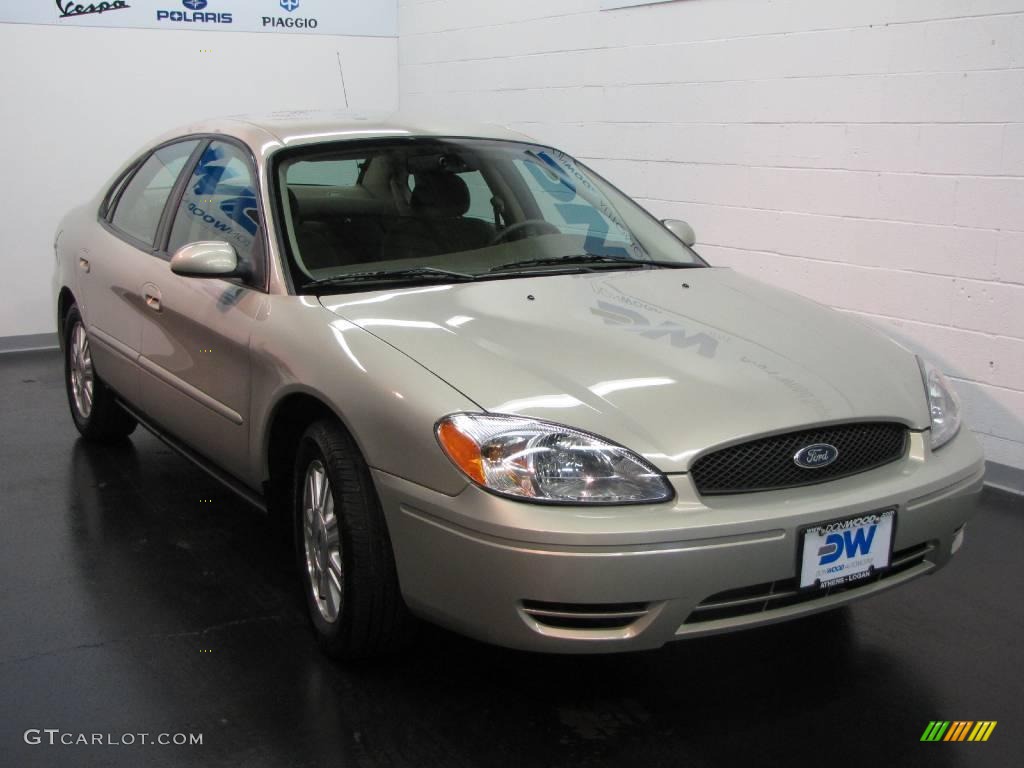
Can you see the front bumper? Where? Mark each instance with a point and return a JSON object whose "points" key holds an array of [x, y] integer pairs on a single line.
{"points": [[605, 579]]}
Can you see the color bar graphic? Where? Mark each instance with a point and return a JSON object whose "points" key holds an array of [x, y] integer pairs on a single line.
{"points": [[958, 730]]}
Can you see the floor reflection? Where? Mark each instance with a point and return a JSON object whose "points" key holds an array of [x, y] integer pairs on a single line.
{"points": [[162, 568]]}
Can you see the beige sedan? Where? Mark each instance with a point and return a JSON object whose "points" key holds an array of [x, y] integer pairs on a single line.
{"points": [[480, 385]]}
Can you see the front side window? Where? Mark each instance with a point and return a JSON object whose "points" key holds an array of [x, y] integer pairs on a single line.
{"points": [[427, 209], [142, 202], [219, 203]]}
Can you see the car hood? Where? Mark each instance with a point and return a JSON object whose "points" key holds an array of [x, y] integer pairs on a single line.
{"points": [[666, 362]]}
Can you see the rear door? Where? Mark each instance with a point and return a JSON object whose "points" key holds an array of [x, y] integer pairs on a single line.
{"points": [[108, 267], [195, 338]]}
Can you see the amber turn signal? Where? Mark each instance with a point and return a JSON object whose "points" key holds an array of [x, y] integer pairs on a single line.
{"points": [[462, 450]]}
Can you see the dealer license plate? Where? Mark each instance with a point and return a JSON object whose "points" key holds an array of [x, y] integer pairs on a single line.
{"points": [[846, 551]]}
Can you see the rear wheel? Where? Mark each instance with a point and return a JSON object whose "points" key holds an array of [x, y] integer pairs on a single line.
{"points": [[343, 549], [94, 408]]}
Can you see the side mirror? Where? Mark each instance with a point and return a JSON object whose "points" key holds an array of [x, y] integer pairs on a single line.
{"points": [[681, 229], [207, 258]]}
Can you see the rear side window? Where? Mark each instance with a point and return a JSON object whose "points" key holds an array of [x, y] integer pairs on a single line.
{"points": [[480, 196], [142, 202], [219, 203], [325, 173], [114, 191]]}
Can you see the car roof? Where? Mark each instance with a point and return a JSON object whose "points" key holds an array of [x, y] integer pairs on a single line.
{"points": [[295, 127]]}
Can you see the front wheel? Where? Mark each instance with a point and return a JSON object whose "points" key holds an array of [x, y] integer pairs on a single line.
{"points": [[343, 549], [94, 408]]}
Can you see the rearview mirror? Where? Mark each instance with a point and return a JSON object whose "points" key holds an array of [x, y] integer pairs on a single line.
{"points": [[681, 229], [207, 258]]}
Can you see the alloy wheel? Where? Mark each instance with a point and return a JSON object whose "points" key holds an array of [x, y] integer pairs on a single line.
{"points": [[80, 370], [322, 542]]}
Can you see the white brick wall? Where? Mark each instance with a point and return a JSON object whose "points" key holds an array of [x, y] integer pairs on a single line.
{"points": [[869, 155]]}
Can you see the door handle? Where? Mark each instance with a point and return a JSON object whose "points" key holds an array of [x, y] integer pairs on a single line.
{"points": [[151, 294], [83, 263]]}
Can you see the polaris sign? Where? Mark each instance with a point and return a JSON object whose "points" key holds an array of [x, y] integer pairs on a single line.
{"points": [[376, 18], [195, 14]]}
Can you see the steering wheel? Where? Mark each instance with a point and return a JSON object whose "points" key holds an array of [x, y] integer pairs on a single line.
{"points": [[545, 227]]}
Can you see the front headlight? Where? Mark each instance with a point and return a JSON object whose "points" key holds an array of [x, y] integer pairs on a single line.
{"points": [[943, 404], [541, 461]]}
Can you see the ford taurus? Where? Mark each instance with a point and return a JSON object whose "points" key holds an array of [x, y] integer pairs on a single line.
{"points": [[483, 387]]}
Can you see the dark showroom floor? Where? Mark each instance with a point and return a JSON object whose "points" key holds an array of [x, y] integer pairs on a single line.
{"points": [[130, 604]]}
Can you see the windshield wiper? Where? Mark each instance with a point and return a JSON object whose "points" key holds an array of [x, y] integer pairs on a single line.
{"points": [[395, 275], [586, 259]]}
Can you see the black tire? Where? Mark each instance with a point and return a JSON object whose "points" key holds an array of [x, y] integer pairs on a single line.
{"points": [[371, 617], [99, 418]]}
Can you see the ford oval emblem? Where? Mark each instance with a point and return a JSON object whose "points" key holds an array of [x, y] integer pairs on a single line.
{"points": [[816, 456]]}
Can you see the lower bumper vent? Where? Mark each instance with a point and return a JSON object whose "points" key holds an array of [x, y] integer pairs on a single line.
{"points": [[584, 615], [772, 595]]}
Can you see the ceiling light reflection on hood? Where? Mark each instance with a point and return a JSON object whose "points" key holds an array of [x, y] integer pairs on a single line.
{"points": [[543, 401], [603, 388]]}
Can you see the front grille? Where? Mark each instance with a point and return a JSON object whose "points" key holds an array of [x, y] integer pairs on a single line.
{"points": [[767, 464], [584, 615], [771, 595]]}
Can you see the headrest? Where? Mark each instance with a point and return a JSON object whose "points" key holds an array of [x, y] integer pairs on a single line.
{"points": [[439, 195]]}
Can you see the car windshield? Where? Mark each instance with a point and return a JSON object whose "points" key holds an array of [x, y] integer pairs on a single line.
{"points": [[429, 210]]}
